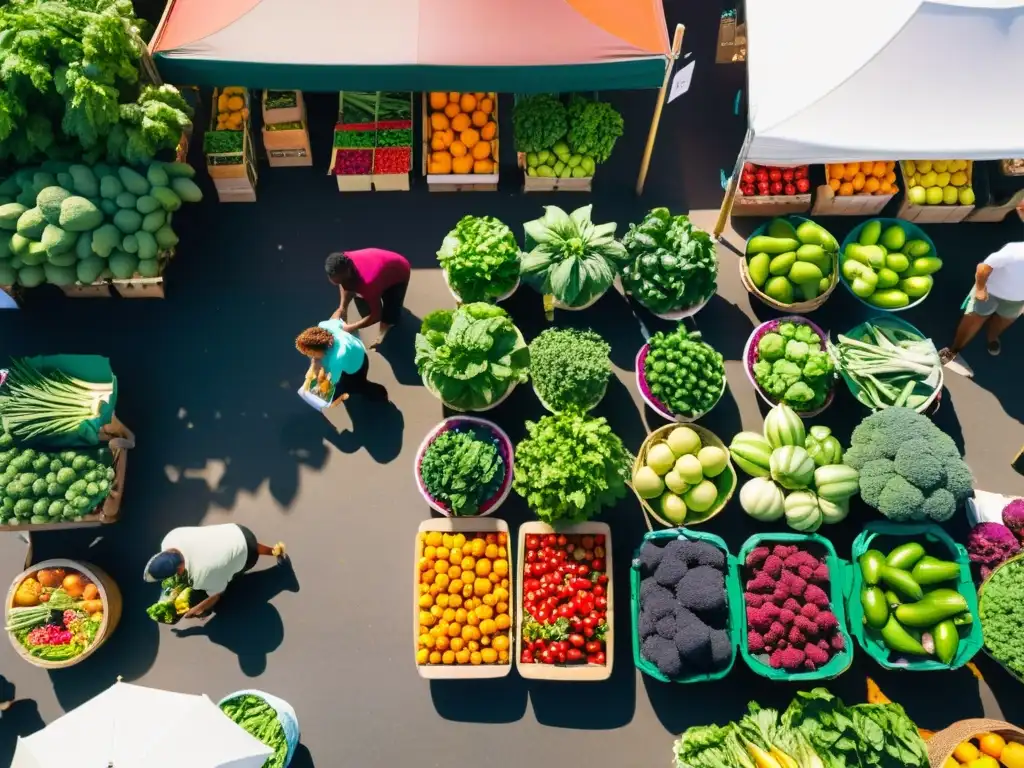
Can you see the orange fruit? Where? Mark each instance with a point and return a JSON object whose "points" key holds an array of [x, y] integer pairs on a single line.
{"points": [[502, 621], [846, 188], [467, 103], [502, 537], [485, 105], [452, 110], [438, 100], [834, 183], [453, 96], [858, 182], [478, 118], [871, 185], [501, 567], [852, 169], [878, 170], [438, 121], [491, 551], [965, 752], [482, 151], [477, 548], [866, 167]]}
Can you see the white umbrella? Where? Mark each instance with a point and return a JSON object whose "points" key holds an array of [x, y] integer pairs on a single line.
{"points": [[128, 726]]}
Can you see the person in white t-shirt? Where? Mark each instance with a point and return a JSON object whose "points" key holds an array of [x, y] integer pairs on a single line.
{"points": [[995, 301], [212, 555]]}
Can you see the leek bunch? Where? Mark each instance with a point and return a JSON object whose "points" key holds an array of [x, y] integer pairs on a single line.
{"points": [[36, 405]]}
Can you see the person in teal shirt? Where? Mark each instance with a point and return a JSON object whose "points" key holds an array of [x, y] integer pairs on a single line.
{"points": [[340, 357]]}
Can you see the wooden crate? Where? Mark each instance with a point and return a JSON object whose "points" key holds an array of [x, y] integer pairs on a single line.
{"points": [[285, 115], [828, 203], [109, 510], [140, 287], [296, 138], [732, 42], [996, 213], [551, 184], [231, 170], [350, 182], [770, 205], [287, 158], [933, 214], [458, 182], [96, 290], [390, 182]]}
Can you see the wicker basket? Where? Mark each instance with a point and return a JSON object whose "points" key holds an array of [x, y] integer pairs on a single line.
{"points": [[942, 744], [797, 308], [707, 437], [110, 594]]}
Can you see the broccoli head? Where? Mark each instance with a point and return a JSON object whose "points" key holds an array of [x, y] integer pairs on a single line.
{"points": [[696, 553], [650, 556], [940, 505], [692, 640], [916, 462], [669, 571], [702, 589], [901, 501], [881, 435], [658, 604], [663, 654]]}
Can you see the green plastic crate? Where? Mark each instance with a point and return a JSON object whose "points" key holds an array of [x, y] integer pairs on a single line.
{"points": [[837, 581], [733, 594], [927, 534]]}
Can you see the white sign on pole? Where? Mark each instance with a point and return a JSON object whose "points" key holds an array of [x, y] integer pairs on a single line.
{"points": [[681, 81]]}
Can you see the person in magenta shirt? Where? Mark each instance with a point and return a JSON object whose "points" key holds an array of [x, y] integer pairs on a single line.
{"points": [[379, 278]]}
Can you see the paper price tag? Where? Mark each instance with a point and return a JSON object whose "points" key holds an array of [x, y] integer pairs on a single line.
{"points": [[681, 81]]}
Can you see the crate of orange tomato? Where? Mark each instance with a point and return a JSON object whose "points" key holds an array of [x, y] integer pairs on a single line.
{"points": [[460, 141], [856, 189]]}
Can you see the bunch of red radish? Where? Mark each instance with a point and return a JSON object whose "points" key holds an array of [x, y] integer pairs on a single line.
{"points": [[760, 180]]}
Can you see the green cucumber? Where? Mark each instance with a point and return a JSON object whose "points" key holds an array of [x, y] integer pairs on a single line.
{"points": [[946, 637], [930, 570], [871, 564], [899, 640], [902, 582], [936, 606], [876, 610], [905, 555]]}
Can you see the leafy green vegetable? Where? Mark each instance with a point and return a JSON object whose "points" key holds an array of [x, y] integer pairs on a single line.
{"points": [[279, 99], [539, 120], [70, 86], [470, 357], [260, 719], [1001, 610], [792, 368], [672, 264], [594, 127], [481, 258], [569, 467], [570, 368], [222, 142], [463, 469], [572, 258], [685, 374]]}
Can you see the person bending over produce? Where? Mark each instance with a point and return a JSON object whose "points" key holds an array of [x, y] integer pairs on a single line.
{"points": [[213, 555], [379, 278], [996, 300], [340, 357]]}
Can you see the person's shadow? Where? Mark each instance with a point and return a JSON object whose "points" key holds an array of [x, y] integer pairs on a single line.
{"points": [[245, 605], [397, 350], [378, 427]]}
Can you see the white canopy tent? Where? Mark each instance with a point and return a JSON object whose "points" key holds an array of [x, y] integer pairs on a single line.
{"points": [[857, 80]]}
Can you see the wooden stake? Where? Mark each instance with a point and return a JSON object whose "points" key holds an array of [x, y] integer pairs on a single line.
{"points": [[677, 47], [730, 190]]}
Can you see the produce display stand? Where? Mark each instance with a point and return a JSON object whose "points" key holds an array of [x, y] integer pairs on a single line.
{"points": [[771, 205], [343, 148], [934, 214], [576, 673], [457, 182], [552, 183], [234, 173], [388, 158], [121, 441], [828, 203], [109, 593], [465, 525], [734, 597], [376, 164], [286, 146], [942, 744]]}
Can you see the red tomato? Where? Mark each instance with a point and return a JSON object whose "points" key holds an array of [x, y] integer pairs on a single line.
{"points": [[762, 187], [577, 641], [533, 542], [542, 615], [789, 189], [598, 590], [562, 541], [526, 657], [776, 188], [573, 655], [599, 540], [547, 658], [749, 167], [801, 172], [803, 185], [598, 564], [596, 658], [787, 174], [582, 569], [775, 174], [602, 579], [550, 540], [593, 646]]}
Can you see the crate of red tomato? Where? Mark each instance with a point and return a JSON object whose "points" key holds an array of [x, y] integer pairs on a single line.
{"points": [[767, 190], [564, 593]]}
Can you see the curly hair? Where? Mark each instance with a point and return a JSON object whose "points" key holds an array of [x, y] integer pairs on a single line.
{"points": [[314, 340]]}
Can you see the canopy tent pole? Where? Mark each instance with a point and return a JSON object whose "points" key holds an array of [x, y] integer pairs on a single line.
{"points": [[732, 186], [677, 47]]}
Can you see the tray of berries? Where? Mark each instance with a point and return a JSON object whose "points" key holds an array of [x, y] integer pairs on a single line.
{"points": [[564, 596]]}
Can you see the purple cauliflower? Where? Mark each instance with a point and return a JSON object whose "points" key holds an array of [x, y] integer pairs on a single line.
{"points": [[1013, 517], [989, 544]]}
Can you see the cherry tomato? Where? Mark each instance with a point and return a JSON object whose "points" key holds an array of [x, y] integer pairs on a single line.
{"points": [[577, 641], [532, 542], [531, 556], [582, 569], [588, 632], [543, 615], [562, 541], [601, 603], [581, 584], [547, 658], [602, 579], [562, 656], [550, 540], [526, 657], [598, 590], [599, 540], [597, 564], [573, 655], [593, 646], [576, 623], [587, 542], [598, 552]]}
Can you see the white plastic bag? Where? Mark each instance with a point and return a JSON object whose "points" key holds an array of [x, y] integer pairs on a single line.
{"points": [[986, 507]]}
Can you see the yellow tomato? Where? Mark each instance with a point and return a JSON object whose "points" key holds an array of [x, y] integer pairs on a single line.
{"points": [[501, 567], [489, 655], [436, 631], [448, 657], [456, 555], [442, 600], [501, 608], [454, 600], [454, 572], [502, 552], [985, 761], [427, 619], [441, 643], [457, 644], [504, 583], [436, 611], [428, 577], [473, 645], [459, 540], [475, 657], [425, 564], [502, 621], [434, 589], [442, 581], [949, 762], [488, 627], [470, 633], [992, 744], [422, 656], [426, 641], [472, 619], [426, 601], [965, 752], [495, 578], [454, 629], [449, 614], [478, 547], [468, 564], [483, 567], [503, 657], [1013, 755], [491, 551], [425, 588], [462, 657], [502, 537], [467, 590], [443, 553], [435, 657], [485, 640], [484, 611], [455, 586], [481, 587], [430, 553], [434, 539], [441, 566], [447, 540], [461, 615], [500, 643], [490, 600], [501, 594]]}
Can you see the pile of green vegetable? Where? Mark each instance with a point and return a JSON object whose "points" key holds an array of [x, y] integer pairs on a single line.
{"points": [[260, 719], [887, 268], [176, 599], [36, 406], [463, 468], [910, 470], [565, 141], [570, 368], [570, 257], [1001, 610], [911, 603], [816, 731], [224, 142], [42, 487], [791, 366], [64, 223], [569, 467], [796, 473], [480, 258], [279, 99], [792, 264], [889, 363], [683, 373], [70, 85], [471, 356], [672, 265]]}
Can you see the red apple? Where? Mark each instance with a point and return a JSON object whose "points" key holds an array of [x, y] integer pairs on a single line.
{"points": [[762, 187], [789, 189], [787, 175], [776, 188], [803, 185], [775, 174]]}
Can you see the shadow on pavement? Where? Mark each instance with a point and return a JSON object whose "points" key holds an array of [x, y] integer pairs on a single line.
{"points": [[246, 606], [496, 700]]}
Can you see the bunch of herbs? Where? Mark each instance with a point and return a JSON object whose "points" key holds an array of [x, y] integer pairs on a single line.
{"points": [[463, 468], [481, 258], [570, 368]]}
